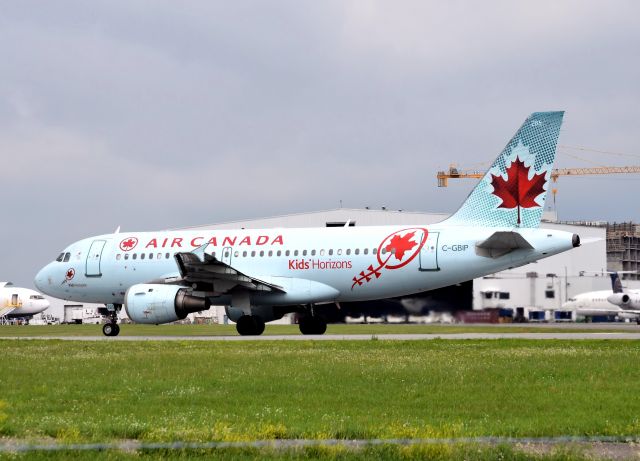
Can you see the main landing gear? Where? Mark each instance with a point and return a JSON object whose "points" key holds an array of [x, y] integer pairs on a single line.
{"points": [[312, 325], [111, 328], [250, 325]]}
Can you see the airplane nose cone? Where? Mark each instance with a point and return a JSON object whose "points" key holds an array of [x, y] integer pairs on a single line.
{"points": [[41, 280]]}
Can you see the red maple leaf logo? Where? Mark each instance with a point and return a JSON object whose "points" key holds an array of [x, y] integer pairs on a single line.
{"points": [[518, 190], [128, 243], [399, 245], [70, 274]]}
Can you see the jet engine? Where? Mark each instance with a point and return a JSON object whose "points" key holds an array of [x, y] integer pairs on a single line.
{"points": [[619, 299], [154, 303]]}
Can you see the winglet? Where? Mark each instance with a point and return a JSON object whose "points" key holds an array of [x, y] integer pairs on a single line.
{"points": [[512, 192]]}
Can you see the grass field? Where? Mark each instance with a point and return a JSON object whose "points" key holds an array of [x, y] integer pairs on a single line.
{"points": [[193, 391], [222, 330]]}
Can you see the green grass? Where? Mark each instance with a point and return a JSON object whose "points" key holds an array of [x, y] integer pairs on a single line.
{"points": [[204, 391], [221, 330], [411, 453]]}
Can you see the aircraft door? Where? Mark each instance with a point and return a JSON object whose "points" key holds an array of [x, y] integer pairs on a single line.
{"points": [[429, 253], [227, 254], [14, 300], [94, 257]]}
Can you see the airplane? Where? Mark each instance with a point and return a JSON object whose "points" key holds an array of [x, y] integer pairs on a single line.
{"points": [[607, 302], [20, 302], [629, 301], [262, 274]]}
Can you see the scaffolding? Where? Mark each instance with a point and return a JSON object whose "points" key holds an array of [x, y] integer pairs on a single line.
{"points": [[623, 249]]}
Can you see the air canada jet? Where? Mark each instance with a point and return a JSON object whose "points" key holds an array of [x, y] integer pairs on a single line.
{"points": [[20, 302], [607, 302], [260, 275]]}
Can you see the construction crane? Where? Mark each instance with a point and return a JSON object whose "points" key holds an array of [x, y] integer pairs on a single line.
{"points": [[455, 173]]}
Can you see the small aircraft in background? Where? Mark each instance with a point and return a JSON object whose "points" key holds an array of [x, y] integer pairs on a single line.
{"points": [[20, 302], [262, 274], [607, 302]]}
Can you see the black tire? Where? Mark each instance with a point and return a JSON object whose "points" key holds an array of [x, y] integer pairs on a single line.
{"points": [[250, 325], [259, 325], [306, 325], [116, 330], [108, 329], [320, 326], [312, 325]]}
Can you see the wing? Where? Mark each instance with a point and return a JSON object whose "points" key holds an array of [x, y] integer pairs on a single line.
{"points": [[200, 267]]}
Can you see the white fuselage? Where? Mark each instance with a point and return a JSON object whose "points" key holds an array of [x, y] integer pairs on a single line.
{"points": [[351, 261], [20, 302]]}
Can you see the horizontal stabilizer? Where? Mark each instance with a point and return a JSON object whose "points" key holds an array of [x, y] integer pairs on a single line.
{"points": [[500, 243]]}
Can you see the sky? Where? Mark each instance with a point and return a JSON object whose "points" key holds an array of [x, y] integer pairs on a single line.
{"points": [[160, 114]]}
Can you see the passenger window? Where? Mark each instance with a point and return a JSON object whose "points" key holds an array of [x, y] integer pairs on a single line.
{"points": [[295, 253], [118, 257], [313, 252], [141, 255], [261, 253], [270, 253], [331, 252], [366, 251], [321, 252], [357, 251], [166, 255], [134, 256], [348, 251], [159, 256], [67, 256], [304, 252], [244, 254], [287, 253], [253, 254], [236, 253], [150, 255], [339, 252], [126, 256], [279, 253]]}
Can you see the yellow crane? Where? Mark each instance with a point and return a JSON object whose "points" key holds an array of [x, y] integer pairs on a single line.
{"points": [[455, 173]]}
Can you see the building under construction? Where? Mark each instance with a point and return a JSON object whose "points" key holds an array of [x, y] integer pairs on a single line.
{"points": [[623, 249]]}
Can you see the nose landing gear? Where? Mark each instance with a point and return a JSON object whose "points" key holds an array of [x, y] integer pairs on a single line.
{"points": [[111, 328]]}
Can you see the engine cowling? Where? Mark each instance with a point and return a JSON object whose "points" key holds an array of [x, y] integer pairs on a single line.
{"points": [[154, 303], [619, 299]]}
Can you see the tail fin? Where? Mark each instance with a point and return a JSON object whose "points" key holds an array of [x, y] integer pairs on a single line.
{"points": [[513, 191], [616, 284]]}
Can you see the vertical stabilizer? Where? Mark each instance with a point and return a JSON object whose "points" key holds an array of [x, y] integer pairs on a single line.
{"points": [[512, 193], [616, 284]]}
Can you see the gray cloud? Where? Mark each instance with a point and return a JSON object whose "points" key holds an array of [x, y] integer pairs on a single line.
{"points": [[157, 114]]}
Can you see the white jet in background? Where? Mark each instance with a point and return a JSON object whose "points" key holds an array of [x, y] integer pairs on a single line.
{"points": [[607, 302], [18, 302]]}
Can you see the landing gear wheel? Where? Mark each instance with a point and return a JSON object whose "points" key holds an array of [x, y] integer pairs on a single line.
{"points": [[259, 323], [250, 325], [110, 329], [312, 325]]}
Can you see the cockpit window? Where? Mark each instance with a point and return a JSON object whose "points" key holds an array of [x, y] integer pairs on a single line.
{"points": [[59, 258], [67, 256], [36, 297]]}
